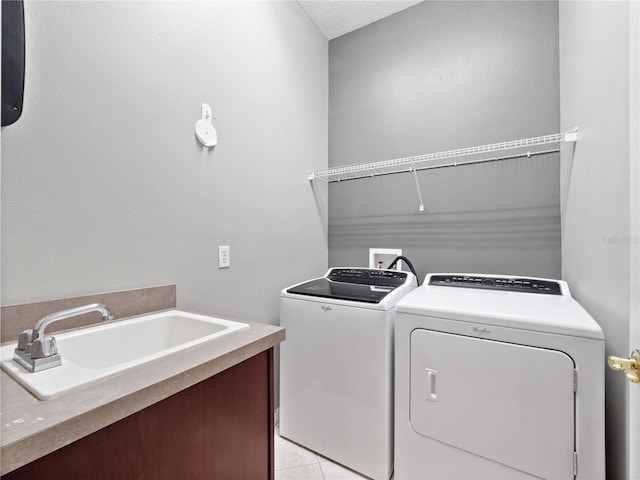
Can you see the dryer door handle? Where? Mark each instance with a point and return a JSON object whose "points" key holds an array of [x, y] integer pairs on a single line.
{"points": [[431, 385]]}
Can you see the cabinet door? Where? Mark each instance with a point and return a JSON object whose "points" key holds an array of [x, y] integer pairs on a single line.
{"points": [[220, 428], [509, 403]]}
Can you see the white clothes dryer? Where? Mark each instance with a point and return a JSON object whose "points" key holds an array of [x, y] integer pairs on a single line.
{"points": [[497, 377], [336, 366]]}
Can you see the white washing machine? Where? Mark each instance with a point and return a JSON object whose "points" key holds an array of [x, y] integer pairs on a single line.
{"points": [[497, 378], [336, 365]]}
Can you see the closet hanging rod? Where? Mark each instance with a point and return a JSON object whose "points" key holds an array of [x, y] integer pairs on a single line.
{"points": [[420, 162]]}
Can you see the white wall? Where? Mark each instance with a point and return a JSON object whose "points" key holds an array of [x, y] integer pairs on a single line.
{"points": [[441, 76], [594, 95], [104, 186], [634, 182]]}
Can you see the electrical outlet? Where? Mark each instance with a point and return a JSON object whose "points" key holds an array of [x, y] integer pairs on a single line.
{"points": [[224, 256]]}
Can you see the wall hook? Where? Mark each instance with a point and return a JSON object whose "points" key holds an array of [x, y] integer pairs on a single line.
{"points": [[205, 132]]}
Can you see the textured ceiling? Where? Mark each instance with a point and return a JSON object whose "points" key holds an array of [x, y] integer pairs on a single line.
{"points": [[337, 17]]}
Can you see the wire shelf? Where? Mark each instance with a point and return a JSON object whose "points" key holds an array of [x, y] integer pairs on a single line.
{"points": [[470, 155]]}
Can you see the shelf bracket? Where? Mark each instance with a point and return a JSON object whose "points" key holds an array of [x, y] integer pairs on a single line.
{"points": [[415, 176], [571, 135]]}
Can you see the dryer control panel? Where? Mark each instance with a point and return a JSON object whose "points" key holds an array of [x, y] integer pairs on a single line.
{"points": [[511, 284]]}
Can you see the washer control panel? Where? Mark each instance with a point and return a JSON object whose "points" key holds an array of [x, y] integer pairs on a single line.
{"points": [[368, 276], [511, 284]]}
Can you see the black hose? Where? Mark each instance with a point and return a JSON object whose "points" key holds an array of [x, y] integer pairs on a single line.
{"points": [[408, 262]]}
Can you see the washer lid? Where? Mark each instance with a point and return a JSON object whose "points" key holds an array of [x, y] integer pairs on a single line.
{"points": [[549, 313], [354, 284]]}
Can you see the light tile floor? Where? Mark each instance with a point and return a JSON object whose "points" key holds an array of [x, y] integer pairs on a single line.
{"points": [[294, 462]]}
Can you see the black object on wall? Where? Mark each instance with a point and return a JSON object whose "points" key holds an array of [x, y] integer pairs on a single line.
{"points": [[12, 60]]}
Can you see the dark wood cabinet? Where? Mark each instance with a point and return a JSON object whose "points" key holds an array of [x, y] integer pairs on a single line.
{"points": [[221, 428]]}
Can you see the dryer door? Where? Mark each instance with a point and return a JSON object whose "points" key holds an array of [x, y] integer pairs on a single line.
{"points": [[508, 403]]}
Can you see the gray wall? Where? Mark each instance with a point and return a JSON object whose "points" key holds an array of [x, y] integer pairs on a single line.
{"points": [[594, 79], [441, 76], [104, 185]]}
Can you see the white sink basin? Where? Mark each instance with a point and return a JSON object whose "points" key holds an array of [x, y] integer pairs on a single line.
{"points": [[94, 353]]}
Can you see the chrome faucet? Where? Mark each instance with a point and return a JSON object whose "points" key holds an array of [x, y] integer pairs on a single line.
{"points": [[37, 351]]}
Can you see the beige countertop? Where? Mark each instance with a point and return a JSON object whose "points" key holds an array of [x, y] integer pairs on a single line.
{"points": [[32, 428]]}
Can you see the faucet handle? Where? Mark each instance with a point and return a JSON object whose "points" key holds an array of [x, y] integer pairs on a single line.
{"points": [[24, 340], [42, 347]]}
